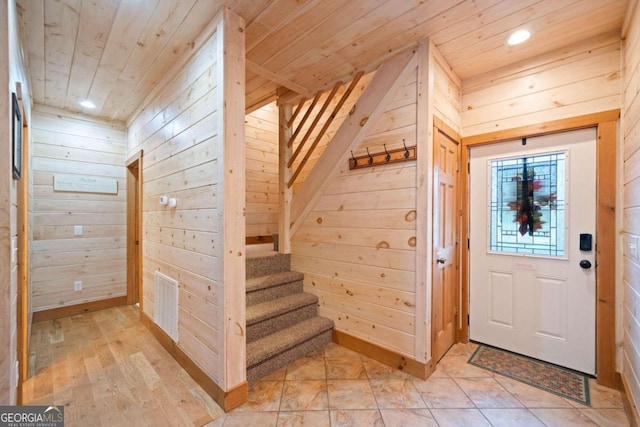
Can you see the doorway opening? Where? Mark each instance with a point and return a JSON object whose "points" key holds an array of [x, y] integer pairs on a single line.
{"points": [[134, 228], [605, 124], [531, 279]]}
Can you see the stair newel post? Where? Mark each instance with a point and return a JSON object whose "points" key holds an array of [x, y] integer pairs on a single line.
{"points": [[286, 192]]}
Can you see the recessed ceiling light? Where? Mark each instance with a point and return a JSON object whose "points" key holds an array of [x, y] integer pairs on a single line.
{"points": [[519, 37], [88, 104]]}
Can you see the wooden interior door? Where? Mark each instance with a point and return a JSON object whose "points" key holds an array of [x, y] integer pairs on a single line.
{"points": [[134, 228], [445, 243]]}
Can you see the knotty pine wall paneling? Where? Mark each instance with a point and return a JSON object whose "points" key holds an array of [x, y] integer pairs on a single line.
{"points": [[185, 128], [12, 74], [357, 248], [581, 79], [69, 144], [261, 171], [630, 130]]}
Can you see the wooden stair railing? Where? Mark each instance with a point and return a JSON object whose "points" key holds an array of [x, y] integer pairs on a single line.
{"points": [[315, 122]]}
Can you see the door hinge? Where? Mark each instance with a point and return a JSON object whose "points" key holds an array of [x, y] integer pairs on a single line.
{"points": [[468, 319], [468, 167], [468, 243]]}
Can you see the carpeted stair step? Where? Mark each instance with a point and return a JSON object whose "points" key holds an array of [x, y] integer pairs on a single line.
{"points": [[274, 351], [272, 316], [267, 263], [273, 286]]}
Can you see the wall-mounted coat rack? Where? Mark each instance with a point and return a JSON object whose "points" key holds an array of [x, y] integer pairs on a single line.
{"points": [[384, 157]]}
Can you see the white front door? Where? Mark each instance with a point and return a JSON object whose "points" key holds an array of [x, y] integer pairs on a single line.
{"points": [[532, 210]]}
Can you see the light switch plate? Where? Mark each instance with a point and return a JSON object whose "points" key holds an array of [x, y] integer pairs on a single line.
{"points": [[77, 285], [77, 230]]}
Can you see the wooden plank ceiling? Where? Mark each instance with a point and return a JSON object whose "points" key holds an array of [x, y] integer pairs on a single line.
{"points": [[113, 52]]}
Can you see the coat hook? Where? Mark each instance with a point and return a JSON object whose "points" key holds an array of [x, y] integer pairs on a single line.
{"points": [[406, 151], [388, 156], [355, 161], [370, 161]]}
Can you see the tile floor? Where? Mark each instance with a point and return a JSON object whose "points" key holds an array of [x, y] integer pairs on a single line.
{"points": [[108, 370], [338, 387]]}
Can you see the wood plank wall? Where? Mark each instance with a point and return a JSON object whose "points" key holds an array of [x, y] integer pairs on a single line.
{"points": [[630, 130], [261, 171], [11, 75], [177, 129], [7, 283], [357, 248], [581, 79], [75, 145]]}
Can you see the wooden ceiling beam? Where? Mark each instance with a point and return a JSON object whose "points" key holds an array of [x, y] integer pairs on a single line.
{"points": [[276, 78]]}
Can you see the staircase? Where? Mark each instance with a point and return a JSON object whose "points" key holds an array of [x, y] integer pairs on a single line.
{"points": [[282, 321]]}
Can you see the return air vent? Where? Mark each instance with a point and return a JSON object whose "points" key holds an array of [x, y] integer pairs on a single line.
{"points": [[165, 312]]}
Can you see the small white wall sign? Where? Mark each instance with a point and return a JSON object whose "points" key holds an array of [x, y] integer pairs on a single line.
{"points": [[84, 184]]}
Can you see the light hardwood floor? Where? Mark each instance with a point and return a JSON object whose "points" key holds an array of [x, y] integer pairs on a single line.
{"points": [[108, 370]]}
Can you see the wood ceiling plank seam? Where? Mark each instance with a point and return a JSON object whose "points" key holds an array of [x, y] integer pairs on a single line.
{"points": [[191, 29], [575, 52], [273, 17], [487, 62], [314, 123], [158, 32], [61, 26], [276, 78], [543, 13], [31, 13], [490, 13], [382, 43], [354, 29], [548, 35], [126, 29], [303, 23], [202, 52], [249, 10], [93, 28], [334, 22]]}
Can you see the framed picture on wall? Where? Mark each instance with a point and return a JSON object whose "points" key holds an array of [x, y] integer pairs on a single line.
{"points": [[16, 138]]}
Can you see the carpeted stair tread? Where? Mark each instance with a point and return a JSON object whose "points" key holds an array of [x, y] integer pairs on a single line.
{"points": [[271, 263], [276, 343], [271, 280], [270, 309]]}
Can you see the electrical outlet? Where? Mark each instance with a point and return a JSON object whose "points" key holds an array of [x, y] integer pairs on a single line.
{"points": [[77, 285]]}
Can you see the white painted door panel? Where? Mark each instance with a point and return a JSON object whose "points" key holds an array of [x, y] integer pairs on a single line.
{"points": [[537, 305]]}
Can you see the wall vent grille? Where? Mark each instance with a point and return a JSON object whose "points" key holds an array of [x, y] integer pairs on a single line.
{"points": [[165, 311]]}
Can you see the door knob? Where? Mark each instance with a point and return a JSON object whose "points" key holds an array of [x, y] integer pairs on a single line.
{"points": [[586, 264], [441, 260]]}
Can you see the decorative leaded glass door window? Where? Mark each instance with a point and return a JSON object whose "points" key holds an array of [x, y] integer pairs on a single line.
{"points": [[527, 205]]}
